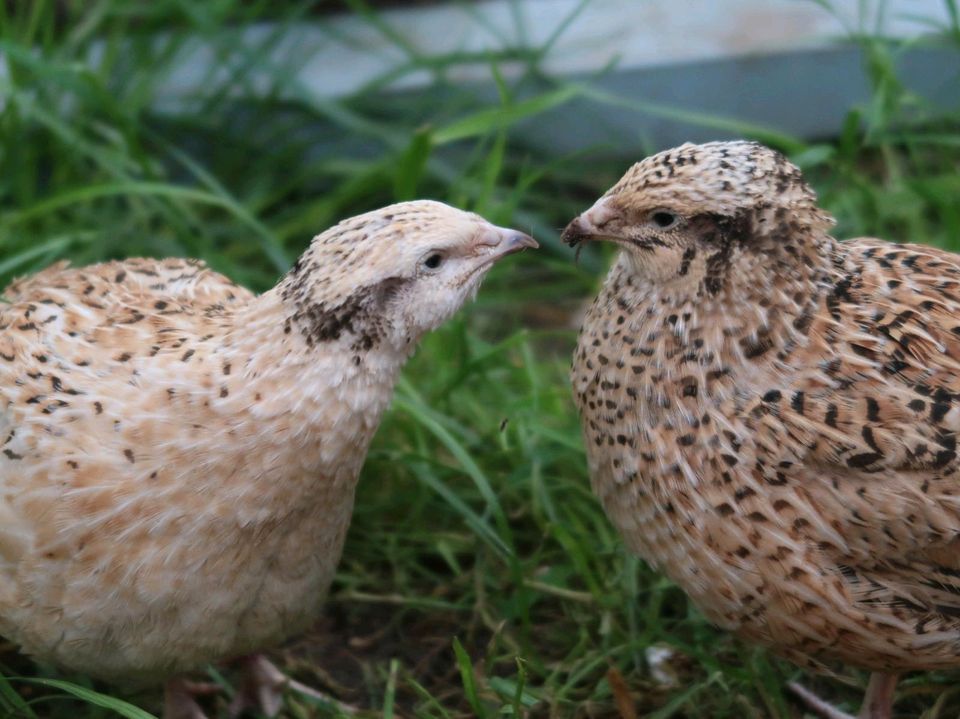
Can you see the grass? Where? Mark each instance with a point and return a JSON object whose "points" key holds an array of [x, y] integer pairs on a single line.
{"points": [[480, 577]]}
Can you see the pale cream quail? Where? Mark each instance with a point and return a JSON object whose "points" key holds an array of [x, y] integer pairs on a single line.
{"points": [[179, 456]]}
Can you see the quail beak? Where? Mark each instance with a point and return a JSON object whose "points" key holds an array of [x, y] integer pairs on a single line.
{"points": [[590, 225], [576, 232], [499, 242]]}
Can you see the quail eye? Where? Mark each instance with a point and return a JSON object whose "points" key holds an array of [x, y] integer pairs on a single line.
{"points": [[663, 219], [433, 261]]}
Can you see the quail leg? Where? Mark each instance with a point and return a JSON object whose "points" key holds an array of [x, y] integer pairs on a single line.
{"points": [[179, 701], [264, 685], [877, 702]]}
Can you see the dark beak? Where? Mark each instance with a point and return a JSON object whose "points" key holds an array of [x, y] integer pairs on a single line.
{"points": [[575, 232], [592, 224]]}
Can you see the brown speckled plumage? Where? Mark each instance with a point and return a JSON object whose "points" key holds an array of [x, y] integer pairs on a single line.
{"points": [[771, 415], [179, 456]]}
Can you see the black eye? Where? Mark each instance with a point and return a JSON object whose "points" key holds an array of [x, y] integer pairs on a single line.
{"points": [[433, 261], [664, 219]]}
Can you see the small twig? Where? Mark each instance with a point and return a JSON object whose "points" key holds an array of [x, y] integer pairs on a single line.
{"points": [[570, 594], [816, 704], [621, 694]]}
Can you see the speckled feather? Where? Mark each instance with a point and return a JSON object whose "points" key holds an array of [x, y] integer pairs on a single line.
{"points": [[771, 415], [179, 456]]}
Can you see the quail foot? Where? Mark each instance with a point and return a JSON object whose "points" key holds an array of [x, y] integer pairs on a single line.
{"points": [[179, 456], [771, 415]]}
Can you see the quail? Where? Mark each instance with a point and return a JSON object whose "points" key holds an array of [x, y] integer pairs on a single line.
{"points": [[771, 415], [179, 455]]}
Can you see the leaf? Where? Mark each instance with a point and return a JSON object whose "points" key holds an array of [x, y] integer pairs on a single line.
{"points": [[88, 193], [389, 694], [411, 165], [12, 703], [472, 520], [469, 682], [124, 709], [768, 136], [50, 247], [496, 118], [431, 421]]}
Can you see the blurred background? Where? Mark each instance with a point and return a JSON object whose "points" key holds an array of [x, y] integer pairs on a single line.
{"points": [[480, 577]]}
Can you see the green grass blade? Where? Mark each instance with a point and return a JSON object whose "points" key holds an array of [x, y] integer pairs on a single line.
{"points": [[468, 680], [765, 134], [389, 694], [82, 195], [51, 247], [430, 421], [118, 706], [497, 118], [12, 703], [483, 530]]}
